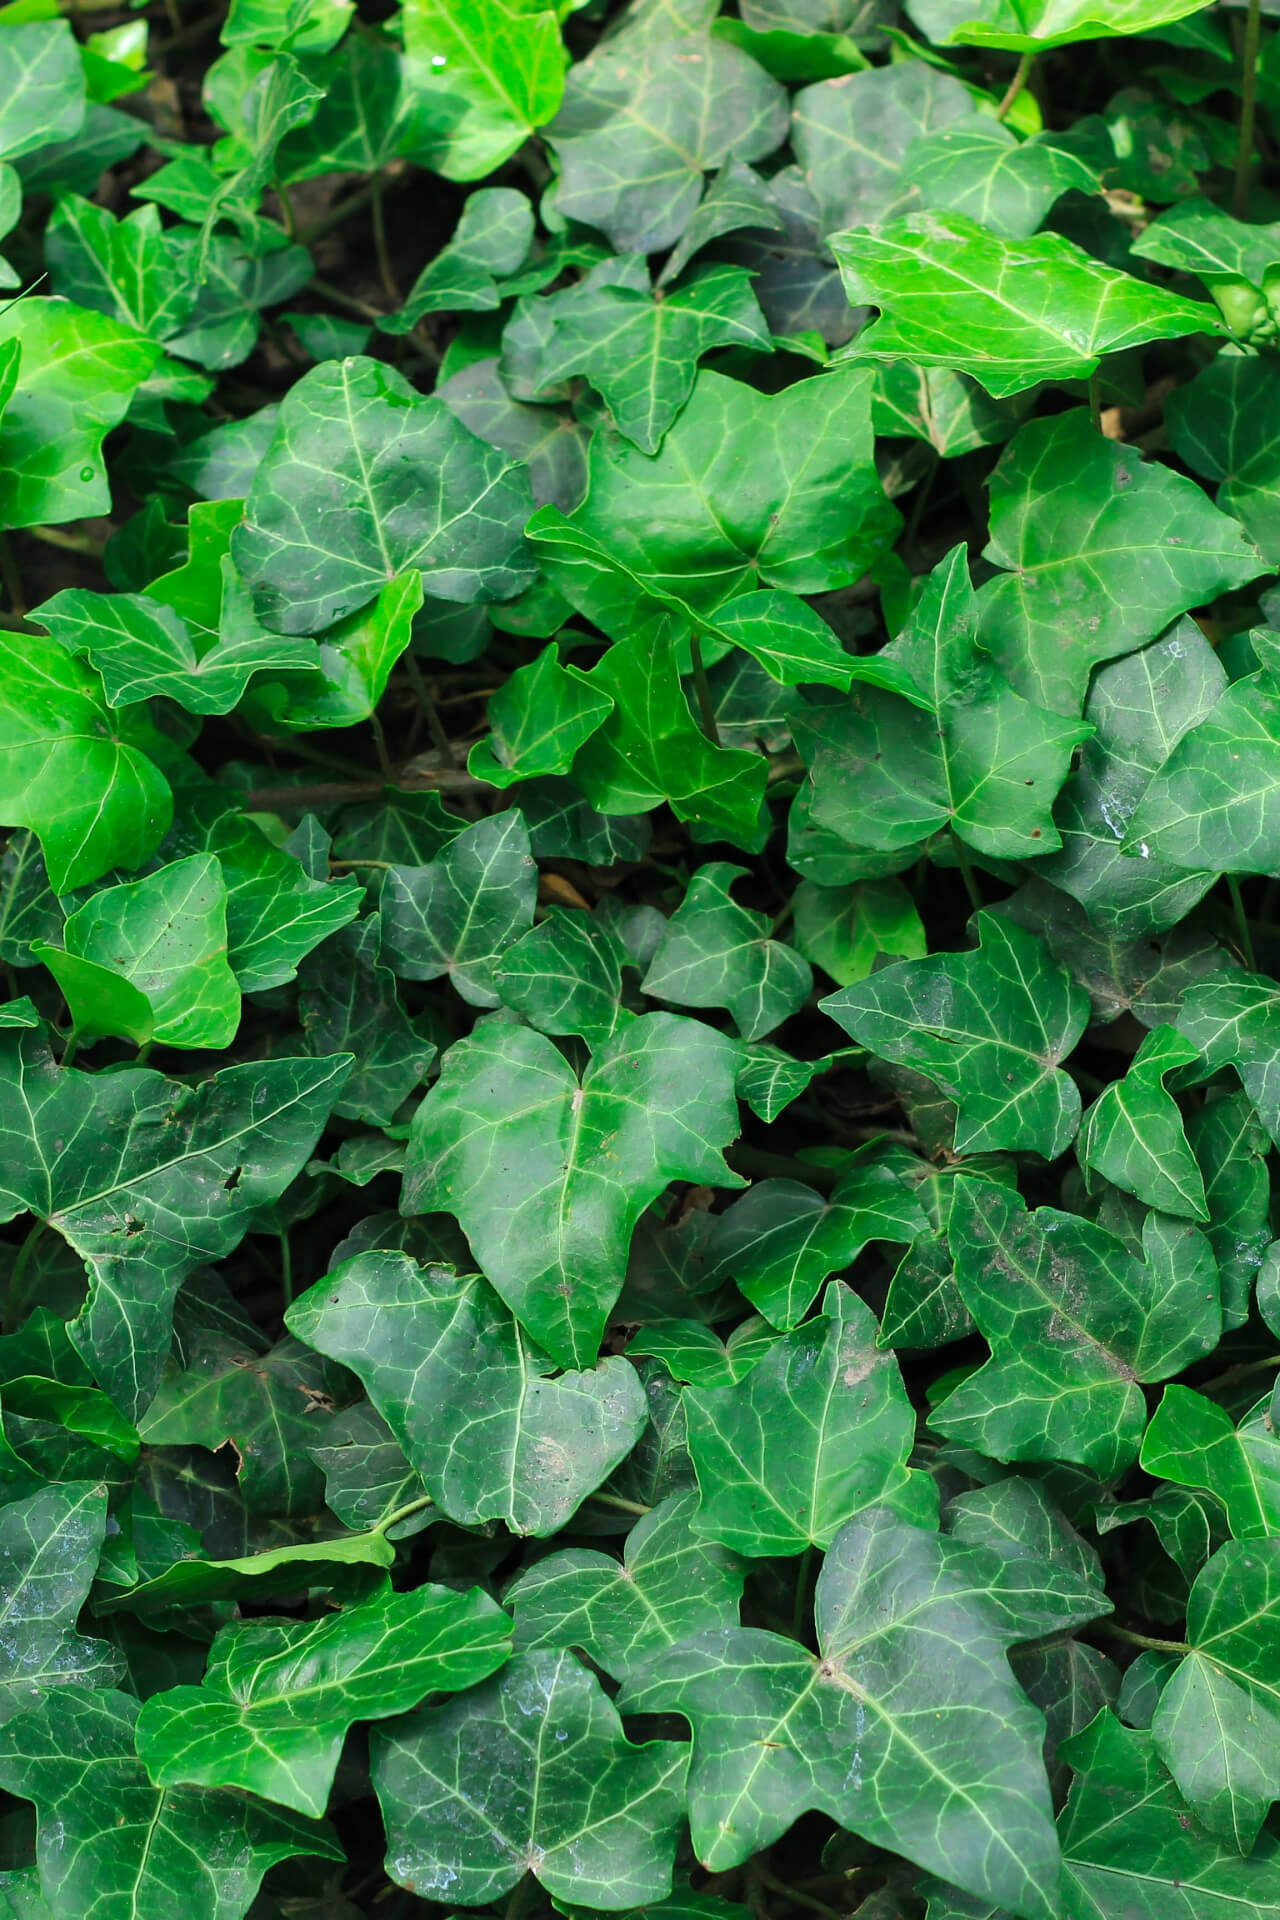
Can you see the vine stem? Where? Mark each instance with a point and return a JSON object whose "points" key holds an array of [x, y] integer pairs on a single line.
{"points": [[1242, 925], [1095, 398], [406, 1512], [1248, 106], [435, 726], [967, 874], [1022, 73]]}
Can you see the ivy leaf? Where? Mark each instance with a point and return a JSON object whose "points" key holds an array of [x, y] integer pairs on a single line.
{"points": [[147, 1178], [1027, 25], [980, 168], [566, 975], [72, 770], [907, 1728], [538, 719], [844, 930], [364, 479], [476, 1834], [810, 514], [781, 1240], [670, 1585], [989, 1027], [1217, 1720], [1139, 707], [129, 269], [637, 132], [1231, 1150], [78, 373], [341, 1564], [148, 960], [486, 74], [770, 1486], [144, 650], [49, 1548], [548, 1174], [491, 239], [641, 353], [1140, 544], [347, 1003], [1189, 815], [1233, 1020], [1007, 311], [1224, 425], [111, 1844], [41, 86], [715, 953], [1074, 1321], [852, 136], [961, 750], [1133, 1133], [456, 915], [280, 1696], [735, 198], [1195, 1443], [423, 1341]]}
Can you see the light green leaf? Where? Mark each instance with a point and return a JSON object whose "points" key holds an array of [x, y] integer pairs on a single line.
{"points": [[490, 241], [458, 915], [341, 1564], [566, 975], [546, 1729], [538, 719], [129, 269], [844, 930], [486, 74], [989, 1027], [715, 953], [280, 1696], [671, 1584], [1233, 1020], [1080, 522], [413, 489], [774, 1485], [907, 1727], [471, 1402], [1133, 1134], [42, 92], [1008, 311], [1028, 25], [1195, 1443], [49, 1548], [548, 1174], [982, 169], [1224, 424]]}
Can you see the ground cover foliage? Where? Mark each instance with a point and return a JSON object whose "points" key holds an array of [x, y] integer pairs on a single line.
{"points": [[640, 1052]]}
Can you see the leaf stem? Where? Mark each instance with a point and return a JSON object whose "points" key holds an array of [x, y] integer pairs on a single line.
{"points": [[386, 272], [793, 1894], [23, 1261], [1095, 398], [616, 1501], [1142, 1639], [1248, 106], [1245, 1369], [702, 687], [68, 542], [406, 1512], [435, 726], [69, 1050], [286, 1267], [1022, 73], [967, 874], [1243, 934], [799, 1605], [12, 577]]}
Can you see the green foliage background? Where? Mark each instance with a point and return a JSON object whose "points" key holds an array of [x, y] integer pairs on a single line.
{"points": [[640, 1054]]}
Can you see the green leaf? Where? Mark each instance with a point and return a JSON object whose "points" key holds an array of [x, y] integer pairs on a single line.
{"points": [[489, 242], [1008, 311], [144, 650], [41, 86], [457, 915], [982, 169], [771, 1485], [670, 1585], [547, 1174], [641, 353], [1080, 523], [77, 375], [808, 512], [1231, 1150], [1028, 25], [566, 975], [736, 198], [638, 129], [49, 1547], [1139, 707], [347, 1003], [441, 1357], [538, 719], [273, 1574], [72, 770], [280, 1696], [473, 1834], [781, 1240], [414, 489], [111, 1844], [129, 269], [1133, 1134], [486, 74], [1195, 1442], [715, 953], [853, 135], [1074, 1321], [1233, 1020], [147, 1178], [163, 940], [844, 930], [962, 749], [907, 1727], [1217, 1721], [989, 1027], [1224, 425]]}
